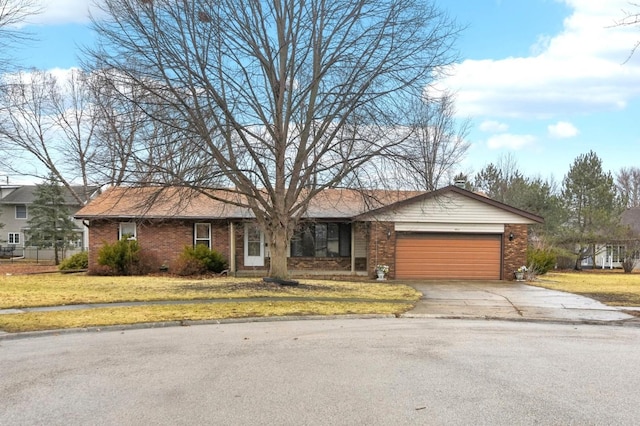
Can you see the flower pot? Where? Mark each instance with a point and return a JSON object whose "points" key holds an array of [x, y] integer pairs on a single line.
{"points": [[380, 275], [519, 276]]}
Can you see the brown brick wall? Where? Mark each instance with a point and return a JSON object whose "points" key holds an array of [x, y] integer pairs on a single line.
{"points": [[164, 241], [319, 263], [515, 251], [382, 247]]}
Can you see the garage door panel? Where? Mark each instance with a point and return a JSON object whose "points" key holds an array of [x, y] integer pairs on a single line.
{"points": [[448, 256]]}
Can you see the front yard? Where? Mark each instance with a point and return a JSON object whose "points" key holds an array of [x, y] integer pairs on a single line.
{"points": [[251, 298], [612, 287]]}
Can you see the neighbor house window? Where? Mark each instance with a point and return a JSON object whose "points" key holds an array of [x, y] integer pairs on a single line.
{"points": [[14, 238], [616, 253], [322, 240], [21, 211], [202, 234], [127, 229]]}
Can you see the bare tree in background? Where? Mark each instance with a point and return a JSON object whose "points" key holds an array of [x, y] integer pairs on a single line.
{"points": [[282, 98], [14, 13], [495, 180], [436, 144], [48, 125], [628, 184], [631, 18]]}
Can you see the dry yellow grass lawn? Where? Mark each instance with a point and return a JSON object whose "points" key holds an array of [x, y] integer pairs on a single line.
{"points": [[22, 291], [101, 317], [614, 288]]}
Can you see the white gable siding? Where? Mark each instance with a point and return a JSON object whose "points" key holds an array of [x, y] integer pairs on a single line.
{"points": [[451, 209]]}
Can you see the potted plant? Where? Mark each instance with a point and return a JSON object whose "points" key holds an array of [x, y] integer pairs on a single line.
{"points": [[520, 273], [381, 271]]}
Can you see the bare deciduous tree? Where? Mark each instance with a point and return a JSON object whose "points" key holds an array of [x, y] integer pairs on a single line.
{"points": [[436, 144], [14, 13], [283, 98], [628, 184], [631, 18], [49, 126]]}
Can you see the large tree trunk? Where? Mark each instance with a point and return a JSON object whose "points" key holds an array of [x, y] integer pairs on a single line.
{"points": [[279, 249]]}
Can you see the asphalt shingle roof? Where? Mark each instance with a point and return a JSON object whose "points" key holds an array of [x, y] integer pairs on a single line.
{"points": [[184, 203], [25, 195]]}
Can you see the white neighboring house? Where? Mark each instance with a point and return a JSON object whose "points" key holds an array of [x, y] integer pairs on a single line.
{"points": [[15, 201], [610, 256]]}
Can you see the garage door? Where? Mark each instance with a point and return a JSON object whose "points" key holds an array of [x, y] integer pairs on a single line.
{"points": [[448, 256]]}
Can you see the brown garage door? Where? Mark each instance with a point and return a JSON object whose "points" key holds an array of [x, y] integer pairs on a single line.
{"points": [[448, 256]]}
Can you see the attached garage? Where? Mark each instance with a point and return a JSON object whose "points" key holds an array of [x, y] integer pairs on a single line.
{"points": [[448, 256], [449, 234]]}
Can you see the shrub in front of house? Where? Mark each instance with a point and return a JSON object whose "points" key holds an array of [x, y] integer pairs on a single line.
{"points": [[541, 260], [75, 262], [199, 260], [124, 257]]}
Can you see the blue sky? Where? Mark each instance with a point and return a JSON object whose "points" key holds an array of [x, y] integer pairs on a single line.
{"points": [[543, 81]]}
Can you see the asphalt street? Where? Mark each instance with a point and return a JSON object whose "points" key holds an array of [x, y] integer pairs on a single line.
{"points": [[400, 371]]}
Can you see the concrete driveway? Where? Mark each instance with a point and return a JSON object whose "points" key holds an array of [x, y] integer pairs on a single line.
{"points": [[508, 300]]}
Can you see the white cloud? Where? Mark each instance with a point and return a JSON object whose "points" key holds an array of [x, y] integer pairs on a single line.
{"points": [[562, 130], [58, 12], [491, 126], [509, 141], [580, 70]]}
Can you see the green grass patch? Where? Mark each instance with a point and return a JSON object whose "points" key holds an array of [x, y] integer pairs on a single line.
{"points": [[101, 317]]}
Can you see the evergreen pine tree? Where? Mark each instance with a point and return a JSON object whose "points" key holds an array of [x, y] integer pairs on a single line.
{"points": [[50, 224], [592, 204]]}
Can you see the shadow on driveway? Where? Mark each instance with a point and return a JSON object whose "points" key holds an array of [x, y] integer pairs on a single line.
{"points": [[507, 300]]}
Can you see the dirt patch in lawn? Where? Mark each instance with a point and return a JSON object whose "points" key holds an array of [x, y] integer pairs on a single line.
{"points": [[20, 268], [254, 285]]}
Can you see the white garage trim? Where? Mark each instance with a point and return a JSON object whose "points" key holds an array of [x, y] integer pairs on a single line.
{"points": [[463, 228]]}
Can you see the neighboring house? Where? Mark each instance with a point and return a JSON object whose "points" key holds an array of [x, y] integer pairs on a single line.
{"points": [[610, 255], [15, 201], [450, 233]]}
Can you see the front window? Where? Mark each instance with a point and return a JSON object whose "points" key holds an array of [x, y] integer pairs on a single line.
{"points": [[322, 240], [14, 238], [21, 211], [128, 230], [202, 234]]}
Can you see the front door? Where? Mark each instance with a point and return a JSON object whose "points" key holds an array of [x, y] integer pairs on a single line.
{"points": [[253, 245]]}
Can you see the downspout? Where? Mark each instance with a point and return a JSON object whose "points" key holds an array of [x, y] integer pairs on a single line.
{"points": [[232, 248], [353, 248]]}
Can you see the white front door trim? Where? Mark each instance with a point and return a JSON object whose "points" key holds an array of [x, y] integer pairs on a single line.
{"points": [[253, 245]]}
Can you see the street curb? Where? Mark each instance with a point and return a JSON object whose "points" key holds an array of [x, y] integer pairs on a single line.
{"points": [[634, 323], [183, 323]]}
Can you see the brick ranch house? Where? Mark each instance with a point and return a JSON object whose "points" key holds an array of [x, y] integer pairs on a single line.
{"points": [[450, 233]]}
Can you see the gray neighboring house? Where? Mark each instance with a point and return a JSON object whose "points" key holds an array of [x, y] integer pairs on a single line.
{"points": [[15, 201]]}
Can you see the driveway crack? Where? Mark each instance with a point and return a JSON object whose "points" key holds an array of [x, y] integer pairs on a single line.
{"points": [[515, 308]]}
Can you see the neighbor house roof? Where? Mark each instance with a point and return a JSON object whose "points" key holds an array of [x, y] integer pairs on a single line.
{"points": [[26, 195], [185, 203]]}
